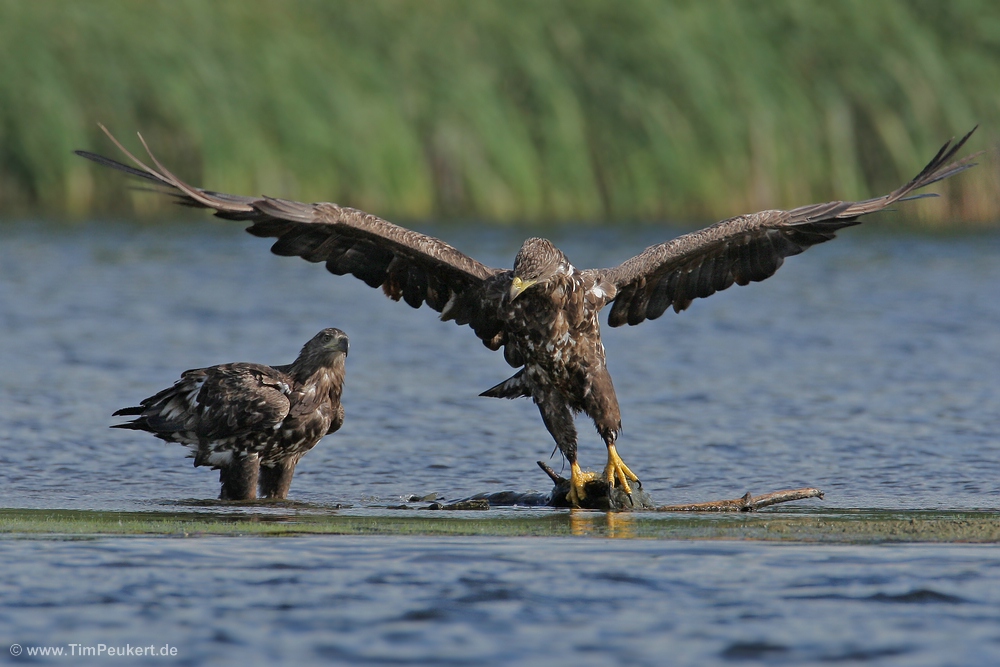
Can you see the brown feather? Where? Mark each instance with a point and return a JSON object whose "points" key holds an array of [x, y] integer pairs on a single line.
{"points": [[747, 248], [226, 413], [543, 313], [349, 241]]}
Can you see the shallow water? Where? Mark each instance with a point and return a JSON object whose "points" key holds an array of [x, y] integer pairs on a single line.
{"points": [[867, 367]]}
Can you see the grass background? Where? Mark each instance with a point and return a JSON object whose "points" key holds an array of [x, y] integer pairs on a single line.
{"points": [[521, 111]]}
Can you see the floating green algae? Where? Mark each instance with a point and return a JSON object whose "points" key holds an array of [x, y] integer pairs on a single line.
{"points": [[863, 526]]}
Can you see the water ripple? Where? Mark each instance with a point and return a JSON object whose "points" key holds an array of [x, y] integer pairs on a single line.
{"points": [[866, 368]]}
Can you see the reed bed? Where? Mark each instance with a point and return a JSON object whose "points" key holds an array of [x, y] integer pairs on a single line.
{"points": [[513, 111]]}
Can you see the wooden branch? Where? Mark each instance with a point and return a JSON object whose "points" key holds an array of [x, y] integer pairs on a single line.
{"points": [[748, 503]]}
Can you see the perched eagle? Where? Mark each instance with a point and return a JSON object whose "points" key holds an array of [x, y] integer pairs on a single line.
{"points": [[249, 419], [544, 312]]}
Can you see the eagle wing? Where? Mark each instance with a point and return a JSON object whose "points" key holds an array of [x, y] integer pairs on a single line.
{"points": [[746, 248], [407, 265], [224, 401], [242, 398]]}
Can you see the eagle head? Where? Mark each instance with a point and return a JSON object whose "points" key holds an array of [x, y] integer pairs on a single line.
{"points": [[536, 263], [324, 353], [328, 343]]}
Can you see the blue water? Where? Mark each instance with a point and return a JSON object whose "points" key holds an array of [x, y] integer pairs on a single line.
{"points": [[867, 367], [514, 601]]}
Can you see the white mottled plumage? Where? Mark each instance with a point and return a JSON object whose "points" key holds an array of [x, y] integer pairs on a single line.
{"points": [[243, 415]]}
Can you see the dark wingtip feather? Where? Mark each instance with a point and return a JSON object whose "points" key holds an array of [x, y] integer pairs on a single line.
{"points": [[115, 164], [957, 167], [937, 169], [922, 195]]}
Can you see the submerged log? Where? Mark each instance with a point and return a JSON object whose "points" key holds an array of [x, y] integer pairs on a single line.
{"points": [[602, 497]]}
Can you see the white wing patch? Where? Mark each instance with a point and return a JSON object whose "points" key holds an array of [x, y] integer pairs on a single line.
{"points": [[185, 401], [191, 395], [220, 458], [446, 311]]}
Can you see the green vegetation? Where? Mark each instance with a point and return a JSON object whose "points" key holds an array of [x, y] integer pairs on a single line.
{"points": [[581, 110], [838, 526]]}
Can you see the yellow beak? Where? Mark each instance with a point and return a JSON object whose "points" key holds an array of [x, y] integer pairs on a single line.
{"points": [[517, 286]]}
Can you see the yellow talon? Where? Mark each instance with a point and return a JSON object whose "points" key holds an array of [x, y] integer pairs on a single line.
{"points": [[577, 481], [617, 471]]}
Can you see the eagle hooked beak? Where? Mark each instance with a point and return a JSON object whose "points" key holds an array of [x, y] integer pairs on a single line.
{"points": [[517, 286], [340, 344]]}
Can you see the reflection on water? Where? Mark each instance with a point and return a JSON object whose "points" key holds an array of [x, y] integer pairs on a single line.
{"points": [[603, 524]]}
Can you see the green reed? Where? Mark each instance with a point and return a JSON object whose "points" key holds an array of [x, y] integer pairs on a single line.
{"points": [[579, 110]]}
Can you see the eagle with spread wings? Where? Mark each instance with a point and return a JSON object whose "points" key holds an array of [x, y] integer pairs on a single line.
{"points": [[544, 311], [250, 421]]}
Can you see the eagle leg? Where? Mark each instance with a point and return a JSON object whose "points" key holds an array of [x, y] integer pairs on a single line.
{"points": [[558, 420], [239, 478], [276, 480], [616, 471], [577, 481]]}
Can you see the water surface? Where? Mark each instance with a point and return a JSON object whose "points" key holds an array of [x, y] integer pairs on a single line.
{"points": [[867, 367], [513, 601]]}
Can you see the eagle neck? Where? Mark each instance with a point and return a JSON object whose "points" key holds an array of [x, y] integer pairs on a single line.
{"points": [[327, 378]]}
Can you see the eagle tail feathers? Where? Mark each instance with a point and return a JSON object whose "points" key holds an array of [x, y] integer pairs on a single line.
{"points": [[137, 425], [512, 387]]}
